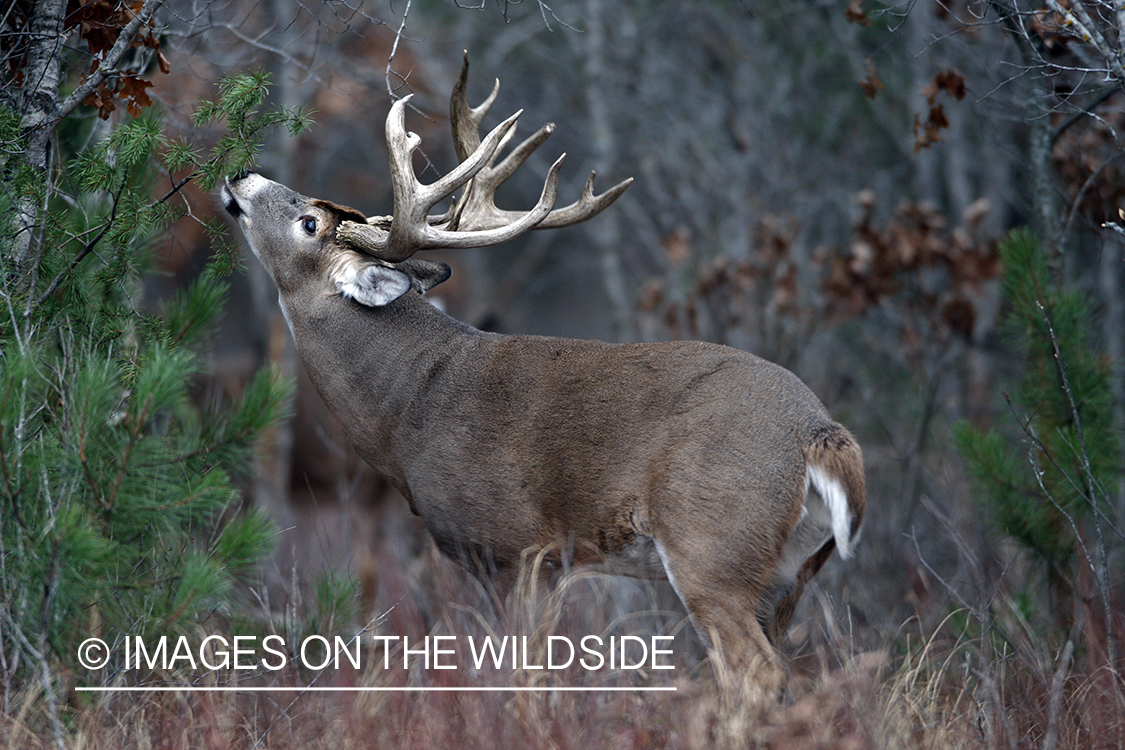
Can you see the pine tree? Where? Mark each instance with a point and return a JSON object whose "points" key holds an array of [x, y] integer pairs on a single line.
{"points": [[118, 502], [1050, 488]]}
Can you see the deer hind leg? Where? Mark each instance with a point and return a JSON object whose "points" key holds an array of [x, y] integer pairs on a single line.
{"points": [[723, 602], [807, 547], [787, 604]]}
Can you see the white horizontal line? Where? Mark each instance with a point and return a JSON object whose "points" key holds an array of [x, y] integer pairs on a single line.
{"points": [[314, 689]]}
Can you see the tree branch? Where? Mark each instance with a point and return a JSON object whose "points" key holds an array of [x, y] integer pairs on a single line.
{"points": [[109, 63], [1083, 112]]}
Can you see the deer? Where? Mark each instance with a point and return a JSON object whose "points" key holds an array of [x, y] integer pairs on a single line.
{"points": [[690, 462]]}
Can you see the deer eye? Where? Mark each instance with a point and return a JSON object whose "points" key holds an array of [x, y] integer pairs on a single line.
{"points": [[308, 223]]}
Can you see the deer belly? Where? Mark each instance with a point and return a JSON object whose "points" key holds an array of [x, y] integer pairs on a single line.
{"points": [[636, 559]]}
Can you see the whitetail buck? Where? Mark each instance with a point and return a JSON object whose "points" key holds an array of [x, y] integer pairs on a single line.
{"points": [[686, 461]]}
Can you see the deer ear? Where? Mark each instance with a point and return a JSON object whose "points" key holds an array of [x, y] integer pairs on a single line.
{"points": [[425, 273], [373, 285]]}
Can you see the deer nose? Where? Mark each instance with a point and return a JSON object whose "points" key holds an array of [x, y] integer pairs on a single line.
{"points": [[242, 174]]}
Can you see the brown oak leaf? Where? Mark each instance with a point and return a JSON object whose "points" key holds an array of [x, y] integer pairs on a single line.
{"points": [[133, 92]]}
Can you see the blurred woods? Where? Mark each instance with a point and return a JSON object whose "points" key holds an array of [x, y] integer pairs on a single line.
{"points": [[825, 185]]}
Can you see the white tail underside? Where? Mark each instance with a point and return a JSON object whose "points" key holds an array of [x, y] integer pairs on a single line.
{"points": [[832, 492]]}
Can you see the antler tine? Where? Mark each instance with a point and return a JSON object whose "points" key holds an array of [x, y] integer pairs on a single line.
{"points": [[476, 162], [483, 214], [410, 229], [370, 238], [401, 146], [465, 119], [473, 220], [507, 167], [476, 209], [377, 234], [586, 206]]}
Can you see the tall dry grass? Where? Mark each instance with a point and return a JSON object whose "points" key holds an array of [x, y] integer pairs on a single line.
{"points": [[957, 683]]}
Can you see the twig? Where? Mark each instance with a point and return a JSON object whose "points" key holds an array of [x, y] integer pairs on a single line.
{"points": [[394, 50], [1086, 186], [913, 479], [1089, 33], [1039, 444], [373, 623], [176, 188], [1054, 705], [1083, 112], [39, 655]]}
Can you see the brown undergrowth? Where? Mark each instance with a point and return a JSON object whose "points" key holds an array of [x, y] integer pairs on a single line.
{"points": [[945, 688]]}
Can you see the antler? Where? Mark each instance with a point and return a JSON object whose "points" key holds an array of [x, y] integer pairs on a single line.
{"points": [[476, 208], [473, 220], [396, 238]]}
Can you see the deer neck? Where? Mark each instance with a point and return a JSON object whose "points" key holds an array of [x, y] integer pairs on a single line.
{"points": [[378, 369]]}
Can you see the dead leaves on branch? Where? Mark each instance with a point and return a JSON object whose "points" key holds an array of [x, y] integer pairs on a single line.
{"points": [[871, 85], [128, 87], [856, 14], [914, 263], [928, 132], [928, 277], [724, 294], [99, 23], [949, 81]]}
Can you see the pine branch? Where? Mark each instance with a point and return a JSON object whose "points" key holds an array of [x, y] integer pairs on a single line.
{"points": [[78, 258]]}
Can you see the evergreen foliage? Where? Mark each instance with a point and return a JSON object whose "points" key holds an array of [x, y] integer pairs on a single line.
{"points": [[1050, 491], [118, 507]]}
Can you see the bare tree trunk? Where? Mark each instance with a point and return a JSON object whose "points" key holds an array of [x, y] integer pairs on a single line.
{"points": [[42, 78], [1045, 212], [606, 232], [39, 100], [1046, 216], [1113, 297]]}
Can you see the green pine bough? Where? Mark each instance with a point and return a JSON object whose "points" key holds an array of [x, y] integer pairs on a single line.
{"points": [[118, 498], [1047, 476]]}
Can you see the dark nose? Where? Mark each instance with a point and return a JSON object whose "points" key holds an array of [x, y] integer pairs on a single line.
{"points": [[242, 174]]}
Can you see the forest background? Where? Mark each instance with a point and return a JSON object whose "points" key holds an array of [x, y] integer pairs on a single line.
{"points": [[915, 207]]}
